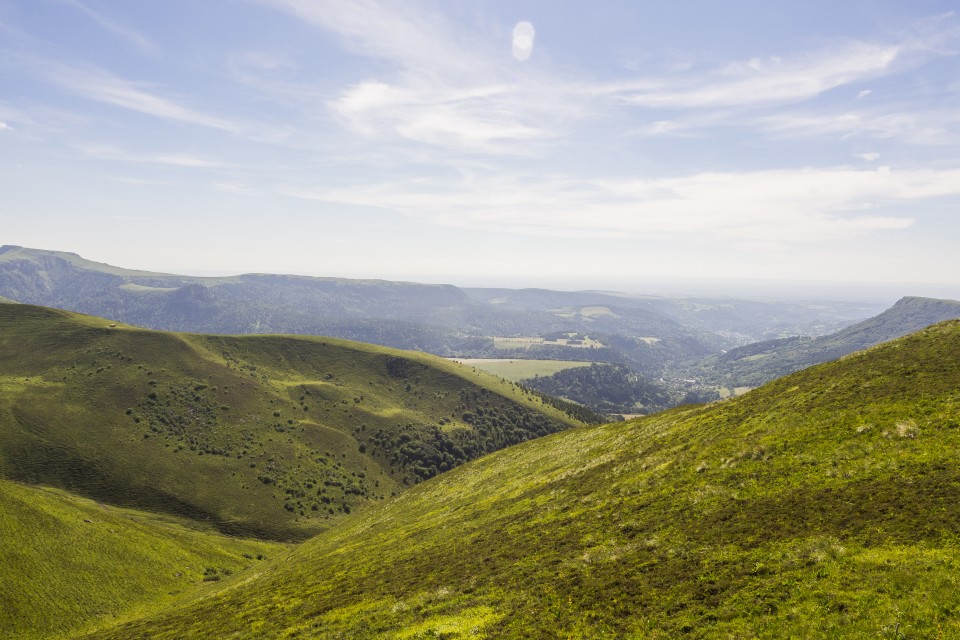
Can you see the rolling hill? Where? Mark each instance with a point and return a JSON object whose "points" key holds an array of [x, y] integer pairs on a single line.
{"points": [[755, 364], [270, 436], [824, 504]]}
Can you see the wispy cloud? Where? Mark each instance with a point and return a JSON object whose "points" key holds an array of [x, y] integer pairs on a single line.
{"points": [[133, 37], [759, 81], [456, 90], [903, 122], [787, 206], [444, 116], [97, 84], [100, 85], [441, 88], [170, 159], [399, 33]]}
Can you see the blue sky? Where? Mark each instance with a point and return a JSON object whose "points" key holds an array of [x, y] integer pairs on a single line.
{"points": [[566, 144]]}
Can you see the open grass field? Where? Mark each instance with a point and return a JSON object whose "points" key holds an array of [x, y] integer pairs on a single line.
{"points": [[514, 369], [822, 505], [69, 564]]}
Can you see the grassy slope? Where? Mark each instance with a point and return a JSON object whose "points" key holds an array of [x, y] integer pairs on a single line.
{"points": [[68, 564], [825, 504], [264, 435]]}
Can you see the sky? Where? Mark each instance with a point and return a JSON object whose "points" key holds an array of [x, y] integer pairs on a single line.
{"points": [[609, 144]]}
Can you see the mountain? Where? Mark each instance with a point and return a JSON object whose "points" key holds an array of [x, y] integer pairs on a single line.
{"points": [[824, 504], [741, 320], [394, 312], [755, 364], [645, 332], [271, 436]]}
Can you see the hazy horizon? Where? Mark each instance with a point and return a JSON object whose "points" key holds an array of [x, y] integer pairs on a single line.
{"points": [[872, 293]]}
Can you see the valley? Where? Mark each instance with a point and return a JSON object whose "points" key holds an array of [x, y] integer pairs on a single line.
{"points": [[819, 505], [281, 486]]}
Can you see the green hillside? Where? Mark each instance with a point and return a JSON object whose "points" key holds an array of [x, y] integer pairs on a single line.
{"points": [[69, 564], [269, 436], [755, 364], [825, 504]]}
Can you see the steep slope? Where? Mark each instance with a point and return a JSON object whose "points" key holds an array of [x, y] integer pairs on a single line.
{"points": [[824, 504], [754, 364], [69, 564], [266, 435]]}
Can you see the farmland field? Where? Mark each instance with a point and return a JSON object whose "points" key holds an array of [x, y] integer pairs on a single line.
{"points": [[516, 369], [525, 342]]}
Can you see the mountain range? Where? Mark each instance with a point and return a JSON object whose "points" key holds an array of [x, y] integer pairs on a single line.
{"points": [[644, 331]]}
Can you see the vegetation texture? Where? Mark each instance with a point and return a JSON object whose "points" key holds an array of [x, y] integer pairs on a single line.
{"points": [[68, 564], [267, 436], [825, 504]]}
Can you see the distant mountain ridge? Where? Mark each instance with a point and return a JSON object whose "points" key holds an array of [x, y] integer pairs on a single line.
{"points": [[440, 319], [755, 364]]}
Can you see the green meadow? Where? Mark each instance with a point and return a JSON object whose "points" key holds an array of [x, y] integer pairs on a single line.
{"points": [[822, 505], [70, 564]]}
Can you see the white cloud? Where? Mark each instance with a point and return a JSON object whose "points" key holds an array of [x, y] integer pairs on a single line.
{"points": [[452, 91], [864, 93], [868, 157], [133, 37], [4, 126], [444, 116], [522, 45], [764, 82], [784, 206]]}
